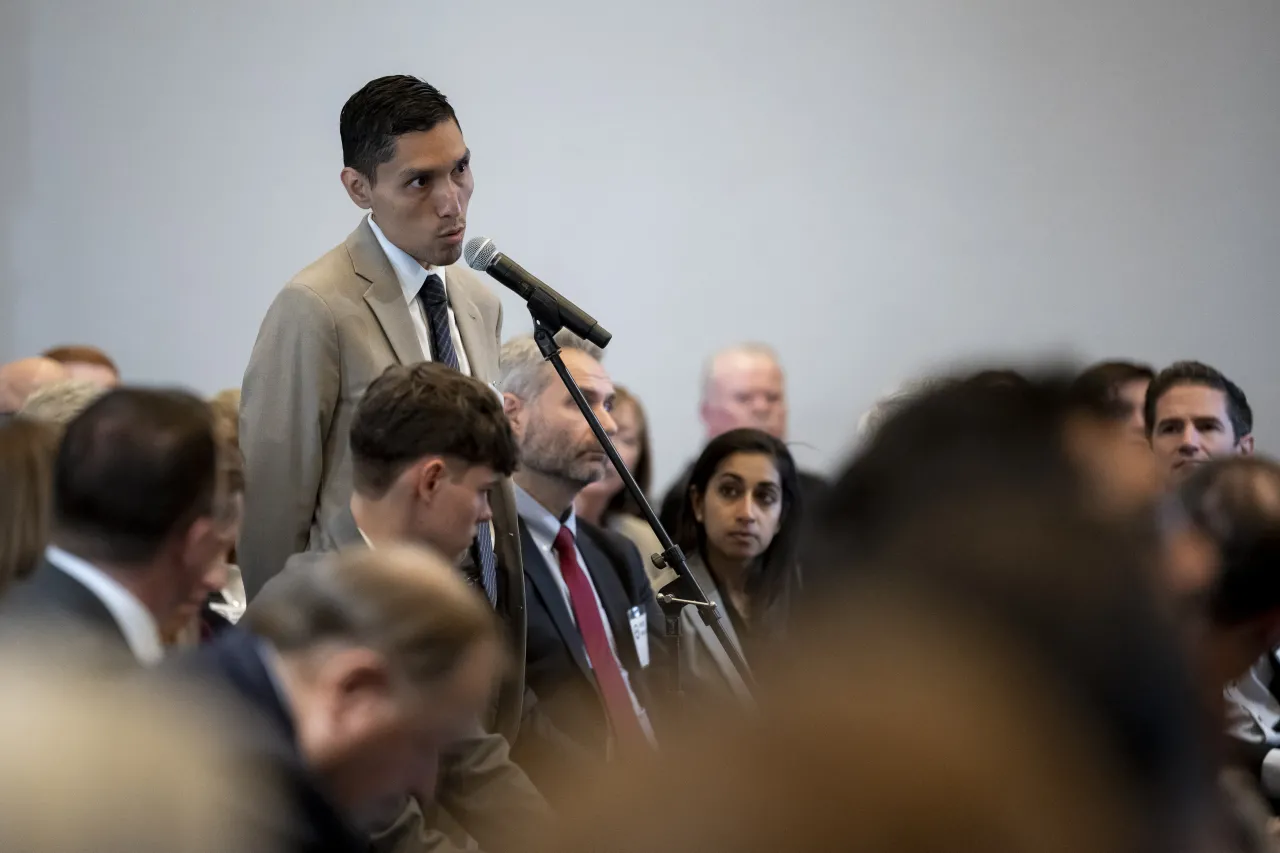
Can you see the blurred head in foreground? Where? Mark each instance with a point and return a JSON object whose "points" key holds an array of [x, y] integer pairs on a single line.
{"points": [[385, 656], [117, 767], [1025, 510]]}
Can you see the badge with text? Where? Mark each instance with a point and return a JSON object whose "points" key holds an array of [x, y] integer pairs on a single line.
{"points": [[640, 632]]}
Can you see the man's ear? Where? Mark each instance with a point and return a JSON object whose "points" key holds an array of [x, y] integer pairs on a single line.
{"points": [[358, 187], [355, 679], [430, 477], [513, 407], [1246, 446], [196, 541]]}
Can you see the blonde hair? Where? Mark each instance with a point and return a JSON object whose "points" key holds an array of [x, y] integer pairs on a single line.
{"points": [[118, 766], [405, 602], [58, 403], [226, 414], [27, 451]]}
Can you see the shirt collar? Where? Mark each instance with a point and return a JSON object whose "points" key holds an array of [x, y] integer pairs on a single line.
{"points": [[409, 273], [136, 622], [540, 520]]}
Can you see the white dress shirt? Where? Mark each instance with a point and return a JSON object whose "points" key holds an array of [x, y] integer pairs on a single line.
{"points": [[134, 620], [412, 275], [1253, 716], [544, 527]]}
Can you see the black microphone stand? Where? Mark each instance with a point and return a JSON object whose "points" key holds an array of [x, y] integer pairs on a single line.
{"points": [[546, 322]]}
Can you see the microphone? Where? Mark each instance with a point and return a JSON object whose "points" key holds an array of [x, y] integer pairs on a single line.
{"points": [[483, 256]]}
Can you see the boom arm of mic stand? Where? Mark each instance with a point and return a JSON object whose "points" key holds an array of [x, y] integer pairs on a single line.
{"points": [[545, 325]]}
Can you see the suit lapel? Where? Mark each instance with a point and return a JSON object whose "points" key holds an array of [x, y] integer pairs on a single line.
{"points": [[539, 574], [384, 296], [476, 341], [612, 595]]}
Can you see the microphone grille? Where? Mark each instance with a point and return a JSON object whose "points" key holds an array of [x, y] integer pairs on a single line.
{"points": [[479, 253]]}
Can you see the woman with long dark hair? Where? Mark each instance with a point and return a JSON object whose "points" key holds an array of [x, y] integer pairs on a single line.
{"points": [[739, 527]]}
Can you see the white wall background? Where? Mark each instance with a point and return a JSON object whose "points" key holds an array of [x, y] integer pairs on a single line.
{"points": [[875, 186]]}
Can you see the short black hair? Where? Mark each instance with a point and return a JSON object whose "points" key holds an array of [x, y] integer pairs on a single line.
{"points": [[1098, 386], [1231, 501], [426, 409], [133, 468], [1196, 373], [383, 110]]}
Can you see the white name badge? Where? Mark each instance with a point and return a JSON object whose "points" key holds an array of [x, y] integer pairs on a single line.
{"points": [[640, 633]]}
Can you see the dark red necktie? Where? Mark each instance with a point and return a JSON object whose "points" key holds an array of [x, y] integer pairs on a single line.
{"points": [[613, 687]]}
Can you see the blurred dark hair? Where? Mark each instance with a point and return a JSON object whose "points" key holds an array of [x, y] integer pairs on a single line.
{"points": [[970, 496], [643, 471], [1196, 373], [1235, 501], [776, 570], [1099, 386], [133, 468], [999, 432], [384, 110]]}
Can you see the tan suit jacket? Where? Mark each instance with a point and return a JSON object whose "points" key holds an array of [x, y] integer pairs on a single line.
{"points": [[333, 329]]}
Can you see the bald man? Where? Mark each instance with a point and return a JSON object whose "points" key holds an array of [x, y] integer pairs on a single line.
{"points": [[742, 386], [19, 379]]}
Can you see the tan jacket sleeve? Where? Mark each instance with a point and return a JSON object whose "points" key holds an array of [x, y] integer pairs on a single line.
{"points": [[290, 393]]}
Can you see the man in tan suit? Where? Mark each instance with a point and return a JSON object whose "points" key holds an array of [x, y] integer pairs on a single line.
{"points": [[392, 293]]}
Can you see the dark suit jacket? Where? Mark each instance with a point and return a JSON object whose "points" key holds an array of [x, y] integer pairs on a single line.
{"points": [[268, 745], [480, 792], [565, 721], [51, 600]]}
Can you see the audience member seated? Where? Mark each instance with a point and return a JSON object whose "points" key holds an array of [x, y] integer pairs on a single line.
{"points": [[742, 388], [139, 523], [118, 765], [19, 380], [27, 449], [360, 669], [1194, 414], [606, 503], [88, 363], [740, 532], [1120, 386], [428, 445], [58, 403], [591, 610]]}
